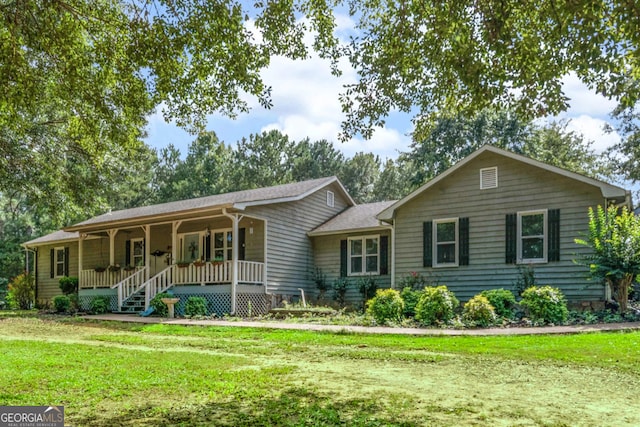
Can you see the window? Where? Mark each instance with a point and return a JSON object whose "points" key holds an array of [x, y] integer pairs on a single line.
{"points": [[445, 242], [222, 245], [364, 255], [532, 236], [137, 252], [489, 178], [330, 199], [59, 262], [191, 246]]}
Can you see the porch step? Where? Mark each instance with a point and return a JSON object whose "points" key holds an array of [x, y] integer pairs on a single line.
{"points": [[135, 304]]}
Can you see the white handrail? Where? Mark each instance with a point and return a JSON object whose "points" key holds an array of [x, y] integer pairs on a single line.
{"points": [[130, 285], [158, 283]]}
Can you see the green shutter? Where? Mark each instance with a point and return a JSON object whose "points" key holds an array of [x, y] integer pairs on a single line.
{"points": [[384, 255], [207, 247], [66, 261], [427, 244], [553, 228], [511, 238], [463, 234], [52, 259], [343, 258]]}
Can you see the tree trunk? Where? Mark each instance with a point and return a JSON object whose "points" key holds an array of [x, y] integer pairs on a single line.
{"points": [[620, 291]]}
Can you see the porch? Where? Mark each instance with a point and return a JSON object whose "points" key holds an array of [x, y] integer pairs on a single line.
{"points": [[136, 262]]}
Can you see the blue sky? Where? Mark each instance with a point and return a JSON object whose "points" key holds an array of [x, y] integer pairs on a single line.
{"points": [[305, 104]]}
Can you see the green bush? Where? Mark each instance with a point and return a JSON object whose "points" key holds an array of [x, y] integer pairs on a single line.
{"points": [[502, 300], [61, 303], [410, 298], [74, 302], [68, 285], [387, 306], [545, 304], [479, 311], [159, 307], [367, 287], [22, 292], [100, 305], [436, 305], [340, 287], [195, 306]]}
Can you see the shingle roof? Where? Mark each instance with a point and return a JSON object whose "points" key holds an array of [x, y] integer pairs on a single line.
{"points": [[238, 199], [360, 217], [56, 236]]}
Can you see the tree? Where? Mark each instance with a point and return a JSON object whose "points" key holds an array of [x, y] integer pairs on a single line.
{"points": [[360, 175], [392, 184], [262, 161], [614, 238], [80, 77], [316, 160], [427, 57]]}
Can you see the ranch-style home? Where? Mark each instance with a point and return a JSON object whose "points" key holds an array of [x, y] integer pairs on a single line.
{"points": [[474, 227]]}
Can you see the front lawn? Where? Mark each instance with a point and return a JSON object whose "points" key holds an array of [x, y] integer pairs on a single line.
{"points": [[120, 374]]}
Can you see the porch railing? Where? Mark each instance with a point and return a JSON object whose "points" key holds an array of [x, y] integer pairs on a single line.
{"points": [[130, 285], [158, 283], [251, 272], [92, 279]]}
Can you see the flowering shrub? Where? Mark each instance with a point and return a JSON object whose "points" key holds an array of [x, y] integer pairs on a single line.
{"points": [[545, 304], [386, 306], [414, 281], [436, 305], [479, 311], [21, 292], [502, 300]]}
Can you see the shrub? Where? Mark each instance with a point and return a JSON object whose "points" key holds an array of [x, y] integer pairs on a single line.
{"points": [[502, 300], [479, 311], [68, 285], [195, 306], [100, 305], [414, 281], [545, 304], [340, 287], [367, 287], [387, 306], [61, 303], [22, 292], [526, 279], [436, 305], [159, 307], [320, 279], [410, 298]]}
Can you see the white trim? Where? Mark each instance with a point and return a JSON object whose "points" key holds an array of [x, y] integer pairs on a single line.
{"points": [[364, 254], [456, 242], [225, 246], [56, 261], [489, 178], [545, 237]]}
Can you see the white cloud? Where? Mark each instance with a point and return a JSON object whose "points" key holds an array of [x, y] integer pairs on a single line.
{"points": [[584, 101], [593, 130]]}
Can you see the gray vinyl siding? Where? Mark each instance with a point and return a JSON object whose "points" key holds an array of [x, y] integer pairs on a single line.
{"points": [[47, 288], [521, 187], [327, 256], [290, 258]]}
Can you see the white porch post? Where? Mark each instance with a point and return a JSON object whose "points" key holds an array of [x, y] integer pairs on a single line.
{"points": [[112, 245], [80, 256], [174, 240], [234, 257], [147, 250]]}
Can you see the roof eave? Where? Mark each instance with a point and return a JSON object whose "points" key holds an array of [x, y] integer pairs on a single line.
{"points": [[313, 233]]}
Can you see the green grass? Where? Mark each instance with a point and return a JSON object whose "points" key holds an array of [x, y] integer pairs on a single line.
{"points": [[109, 373]]}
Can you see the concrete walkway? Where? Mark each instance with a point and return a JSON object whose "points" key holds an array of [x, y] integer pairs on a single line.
{"points": [[574, 329]]}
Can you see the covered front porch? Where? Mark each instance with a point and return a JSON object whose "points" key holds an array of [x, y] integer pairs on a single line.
{"points": [[132, 263]]}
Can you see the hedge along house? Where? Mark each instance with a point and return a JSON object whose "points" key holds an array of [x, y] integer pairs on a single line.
{"points": [[478, 224], [236, 250]]}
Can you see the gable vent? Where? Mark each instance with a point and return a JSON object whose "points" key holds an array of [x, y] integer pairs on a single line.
{"points": [[489, 178], [330, 199]]}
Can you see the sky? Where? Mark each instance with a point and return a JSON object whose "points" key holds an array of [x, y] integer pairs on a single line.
{"points": [[306, 103]]}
